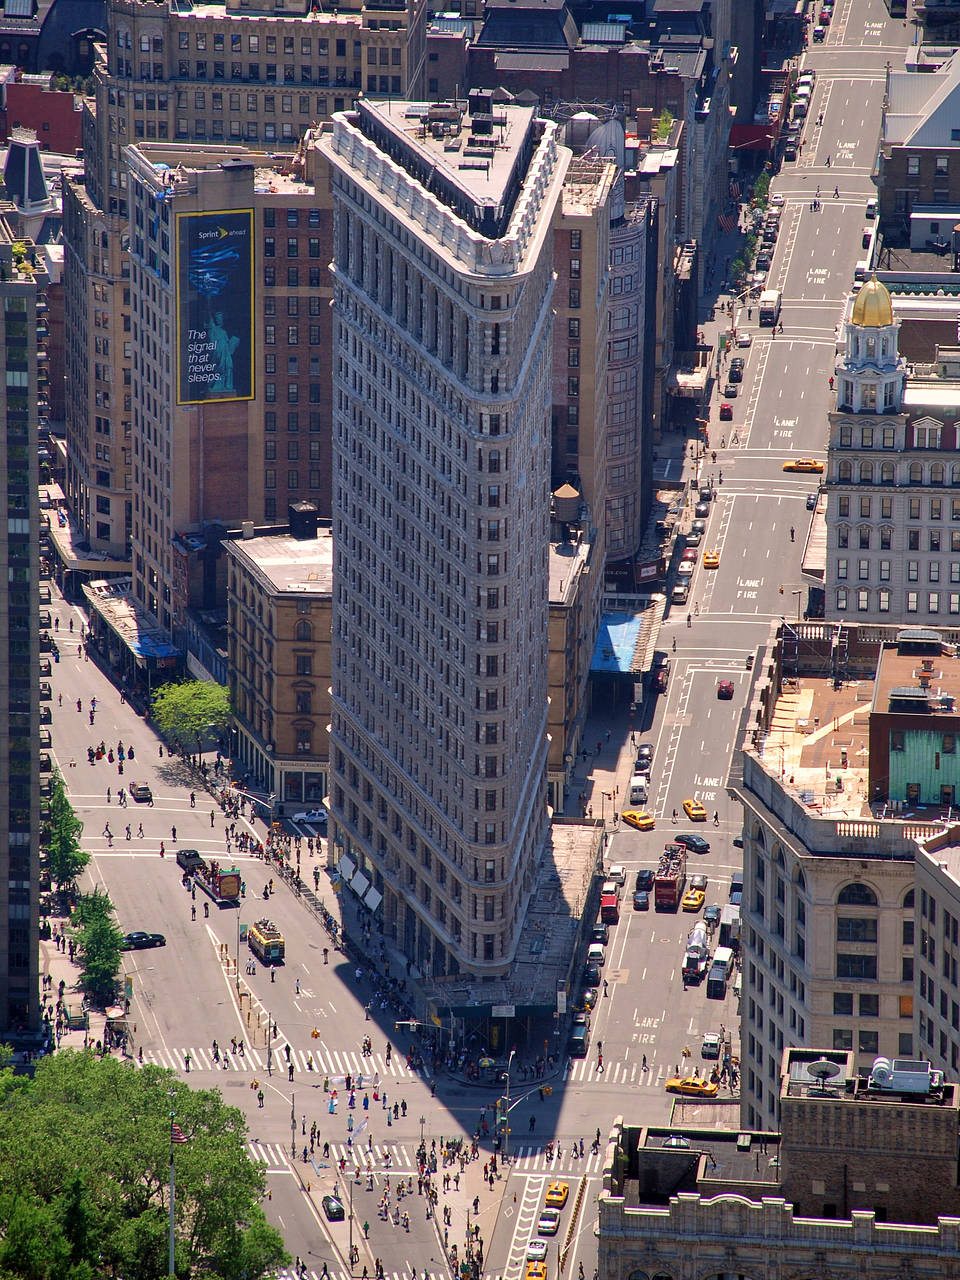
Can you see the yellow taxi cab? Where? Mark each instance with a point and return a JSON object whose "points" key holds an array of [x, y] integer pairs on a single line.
{"points": [[802, 464], [694, 811], [692, 1087], [693, 900], [536, 1271], [638, 818], [557, 1193], [711, 559]]}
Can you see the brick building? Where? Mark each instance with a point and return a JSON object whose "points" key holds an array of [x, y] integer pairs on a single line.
{"points": [[209, 74], [279, 594], [32, 102]]}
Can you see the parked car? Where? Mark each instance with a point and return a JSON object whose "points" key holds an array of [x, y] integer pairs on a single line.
{"points": [[644, 758], [811, 502], [333, 1208], [736, 369]]}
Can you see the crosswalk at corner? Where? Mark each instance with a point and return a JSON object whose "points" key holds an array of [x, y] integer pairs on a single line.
{"points": [[535, 1160], [382, 1159], [319, 1273], [586, 1071], [365, 1072]]}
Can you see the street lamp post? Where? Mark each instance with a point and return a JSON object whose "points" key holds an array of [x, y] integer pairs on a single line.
{"points": [[798, 593], [506, 1126]]}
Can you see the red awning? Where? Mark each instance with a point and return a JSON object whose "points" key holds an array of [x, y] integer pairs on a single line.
{"points": [[752, 137]]}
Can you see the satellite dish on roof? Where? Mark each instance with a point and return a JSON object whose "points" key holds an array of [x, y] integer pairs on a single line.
{"points": [[823, 1070]]}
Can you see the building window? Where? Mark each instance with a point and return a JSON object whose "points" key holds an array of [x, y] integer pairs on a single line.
{"points": [[843, 1004], [841, 599], [863, 600], [862, 968], [913, 601], [841, 570], [856, 929]]}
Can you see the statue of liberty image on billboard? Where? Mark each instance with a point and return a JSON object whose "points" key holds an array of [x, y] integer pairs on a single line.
{"points": [[214, 306]]}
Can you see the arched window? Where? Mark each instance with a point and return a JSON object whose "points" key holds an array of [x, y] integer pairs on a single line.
{"points": [[845, 470], [304, 630], [856, 895], [863, 537], [780, 861], [843, 535], [758, 835], [955, 473], [886, 473], [936, 473], [916, 473], [866, 473], [907, 903], [801, 879]]}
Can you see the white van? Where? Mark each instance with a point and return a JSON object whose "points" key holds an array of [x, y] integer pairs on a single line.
{"points": [[639, 785], [801, 105], [724, 956], [617, 874], [595, 954]]}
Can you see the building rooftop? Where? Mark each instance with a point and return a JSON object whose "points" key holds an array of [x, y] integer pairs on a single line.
{"points": [[567, 561], [472, 155], [288, 565], [825, 1074]]}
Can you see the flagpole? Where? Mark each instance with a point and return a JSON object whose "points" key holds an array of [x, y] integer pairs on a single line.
{"points": [[171, 1264]]}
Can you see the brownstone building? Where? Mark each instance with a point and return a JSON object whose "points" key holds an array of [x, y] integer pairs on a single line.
{"points": [[279, 593]]}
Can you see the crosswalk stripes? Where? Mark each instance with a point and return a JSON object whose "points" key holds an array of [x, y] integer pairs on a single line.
{"points": [[534, 1160], [365, 1073], [311, 1273], [585, 1071], [272, 1154]]}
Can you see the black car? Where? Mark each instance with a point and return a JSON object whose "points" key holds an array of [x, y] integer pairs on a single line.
{"points": [[736, 898], [333, 1208], [600, 933], [644, 758], [696, 844], [702, 510], [644, 878], [641, 900], [736, 369], [811, 502], [140, 941], [711, 916], [591, 975]]}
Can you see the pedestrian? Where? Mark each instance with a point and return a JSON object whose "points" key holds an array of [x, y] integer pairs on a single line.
{"points": [[298, 986], [140, 831], [716, 818], [260, 1104], [211, 817], [836, 193], [828, 162], [193, 800]]}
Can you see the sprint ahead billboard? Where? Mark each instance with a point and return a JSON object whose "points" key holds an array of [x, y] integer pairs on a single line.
{"points": [[214, 306]]}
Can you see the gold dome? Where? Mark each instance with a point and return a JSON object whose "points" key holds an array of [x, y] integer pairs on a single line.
{"points": [[872, 306]]}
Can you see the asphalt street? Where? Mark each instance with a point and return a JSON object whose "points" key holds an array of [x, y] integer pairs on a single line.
{"points": [[188, 993]]}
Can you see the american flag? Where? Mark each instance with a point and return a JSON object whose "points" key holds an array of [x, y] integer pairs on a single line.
{"points": [[728, 221], [176, 1133]]}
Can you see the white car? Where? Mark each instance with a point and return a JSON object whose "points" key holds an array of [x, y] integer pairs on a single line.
{"points": [[686, 567], [777, 199], [744, 339], [536, 1251], [711, 1045], [549, 1222], [314, 817]]}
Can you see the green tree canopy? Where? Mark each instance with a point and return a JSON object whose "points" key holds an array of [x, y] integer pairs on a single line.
{"points": [[98, 939], [84, 1179], [65, 858], [187, 711]]}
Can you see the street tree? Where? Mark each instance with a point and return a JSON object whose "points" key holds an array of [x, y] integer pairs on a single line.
{"points": [[187, 712], [65, 858], [84, 1179], [98, 944]]}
